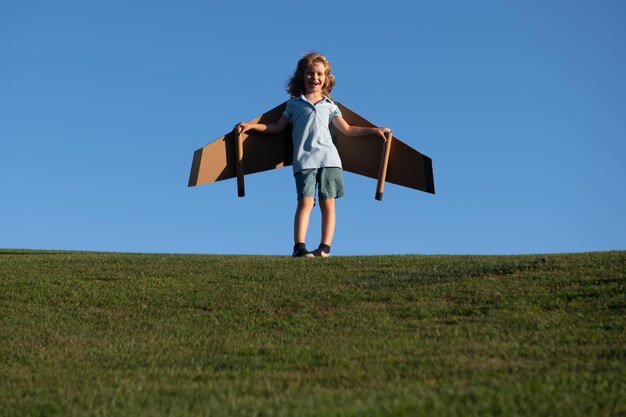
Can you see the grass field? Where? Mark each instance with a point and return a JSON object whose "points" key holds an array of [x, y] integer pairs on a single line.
{"points": [[107, 334]]}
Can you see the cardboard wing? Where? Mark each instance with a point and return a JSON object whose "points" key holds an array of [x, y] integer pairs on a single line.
{"points": [[363, 155], [235, 155]]}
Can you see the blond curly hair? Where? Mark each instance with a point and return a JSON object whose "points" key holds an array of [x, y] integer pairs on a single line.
{"points": [[295, 85]]}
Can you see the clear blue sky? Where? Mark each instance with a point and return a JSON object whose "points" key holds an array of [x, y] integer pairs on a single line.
{"points": [[521, 106]]}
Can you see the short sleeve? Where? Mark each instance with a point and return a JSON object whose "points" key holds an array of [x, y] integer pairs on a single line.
{"points": [[335, 112], [287, 112]]}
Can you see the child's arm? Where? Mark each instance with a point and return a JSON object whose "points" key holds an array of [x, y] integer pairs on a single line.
{"points": [[276, 127], [346, 129]]}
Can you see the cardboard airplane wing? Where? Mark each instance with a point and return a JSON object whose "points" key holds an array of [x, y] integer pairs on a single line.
{"points": [[235, 155], [366, 155]]}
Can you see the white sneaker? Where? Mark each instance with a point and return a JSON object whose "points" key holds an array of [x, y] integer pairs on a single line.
{"points": [[319, 253]]}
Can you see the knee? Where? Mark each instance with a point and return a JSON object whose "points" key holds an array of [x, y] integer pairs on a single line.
{"points": [[327, 205], [306, 204]]}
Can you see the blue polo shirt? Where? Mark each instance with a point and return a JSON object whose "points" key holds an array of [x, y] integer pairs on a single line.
{"points": [[313, 145]]}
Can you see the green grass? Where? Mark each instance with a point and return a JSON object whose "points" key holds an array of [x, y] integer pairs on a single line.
{"points": [[107, 334]]}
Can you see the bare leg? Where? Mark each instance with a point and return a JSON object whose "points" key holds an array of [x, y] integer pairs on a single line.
{"points": [[301, 219], [329, 220]]}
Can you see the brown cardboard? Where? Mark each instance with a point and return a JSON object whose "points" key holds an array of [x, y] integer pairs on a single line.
{"points": [[384, 164], [241, 189], [361, 155], [365, 155]]}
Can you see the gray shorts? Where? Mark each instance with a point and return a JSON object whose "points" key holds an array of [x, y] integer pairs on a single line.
{"points": [[329, 182]]}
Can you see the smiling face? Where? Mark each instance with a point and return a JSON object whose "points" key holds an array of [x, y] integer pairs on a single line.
{"points": [[315, 78]]}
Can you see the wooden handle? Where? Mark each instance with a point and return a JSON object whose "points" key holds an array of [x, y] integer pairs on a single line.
{"points": [[241, 189], [382, 172]]}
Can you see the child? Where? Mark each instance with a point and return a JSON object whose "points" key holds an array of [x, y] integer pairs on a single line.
{"points": [[316, 162]]}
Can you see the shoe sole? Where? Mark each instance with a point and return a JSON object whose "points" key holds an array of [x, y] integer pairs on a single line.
{"points": [[306, 255]]}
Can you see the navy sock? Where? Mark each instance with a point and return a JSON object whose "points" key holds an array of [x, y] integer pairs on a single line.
{"points": [[324, 247], [299, 246]]}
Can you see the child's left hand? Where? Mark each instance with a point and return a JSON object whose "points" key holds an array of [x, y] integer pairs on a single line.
{"points": [[383, 132]]}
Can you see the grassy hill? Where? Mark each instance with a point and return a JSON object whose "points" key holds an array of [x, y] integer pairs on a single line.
{"points": [[108, 334]]}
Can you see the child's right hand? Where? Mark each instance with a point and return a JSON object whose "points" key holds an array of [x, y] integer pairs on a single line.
{"points": [[243, 127]]}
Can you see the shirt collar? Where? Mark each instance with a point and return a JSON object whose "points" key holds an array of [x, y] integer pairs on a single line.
{"points": [[326, 98]]}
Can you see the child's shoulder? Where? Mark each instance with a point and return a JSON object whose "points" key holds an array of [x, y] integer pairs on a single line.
{"points": [[292, 101]]}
